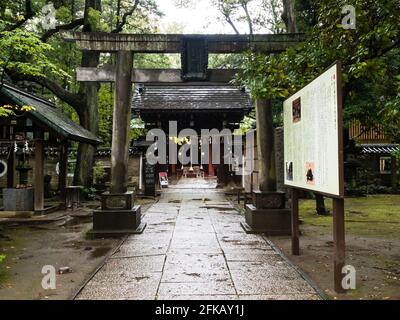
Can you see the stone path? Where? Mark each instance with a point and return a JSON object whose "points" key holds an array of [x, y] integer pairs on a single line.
{"points": [[194, 248]]}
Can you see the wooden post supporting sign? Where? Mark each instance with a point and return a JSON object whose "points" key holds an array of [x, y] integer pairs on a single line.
{"points": [[339, 243], [295, 222]]}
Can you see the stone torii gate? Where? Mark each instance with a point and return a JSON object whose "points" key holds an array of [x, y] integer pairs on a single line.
{"points": [[123, 217]]}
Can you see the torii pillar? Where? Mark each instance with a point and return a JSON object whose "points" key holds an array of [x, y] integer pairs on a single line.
{"points": [[267, 214], [118, 215], [121, 122]]}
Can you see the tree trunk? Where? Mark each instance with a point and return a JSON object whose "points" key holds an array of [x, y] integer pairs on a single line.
{"points": [[320, 205], [88, 117], [265, 146], [88, 114], [289, 16]]}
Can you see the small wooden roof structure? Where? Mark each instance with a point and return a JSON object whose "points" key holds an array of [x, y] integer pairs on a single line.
{"points": [[46, 116], [205, 104]]}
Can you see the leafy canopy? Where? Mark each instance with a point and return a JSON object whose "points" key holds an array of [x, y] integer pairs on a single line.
{"points": [[368, 55]]}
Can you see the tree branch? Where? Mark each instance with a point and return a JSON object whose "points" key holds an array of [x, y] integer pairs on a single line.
{"points": [[387, 49], [67, 26], [229, 20], [248, 18], [73, 99], [125, 17], [225, 11], [29, 13]]}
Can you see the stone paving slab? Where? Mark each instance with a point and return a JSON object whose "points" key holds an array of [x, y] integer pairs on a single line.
{"points": [[200, 297], [195, 249], [135, 264], [280, 297], [141, 250], [93, 291], [195, 262], [196, 288], [195, 276]]}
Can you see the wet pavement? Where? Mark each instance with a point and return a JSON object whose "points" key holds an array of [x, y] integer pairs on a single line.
{"points": [[194, 248]]}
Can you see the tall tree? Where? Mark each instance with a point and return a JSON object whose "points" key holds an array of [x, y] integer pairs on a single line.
{"points": [[83, 97], [369, 55]]}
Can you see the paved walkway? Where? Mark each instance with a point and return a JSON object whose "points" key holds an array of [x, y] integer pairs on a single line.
{"points": [[194, 248]]}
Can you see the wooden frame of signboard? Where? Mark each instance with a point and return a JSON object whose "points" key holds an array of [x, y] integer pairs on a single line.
{"points": [[338, 199]]}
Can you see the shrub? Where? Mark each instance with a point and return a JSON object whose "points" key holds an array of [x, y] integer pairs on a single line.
{"points": [[98, 172], [89, 193]]}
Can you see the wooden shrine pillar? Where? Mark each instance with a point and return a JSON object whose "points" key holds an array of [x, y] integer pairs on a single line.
{"points": [[265, 146], [221, 172], [63, 170], [211, 171], [39, 172], [11, 168], [121, 122]]}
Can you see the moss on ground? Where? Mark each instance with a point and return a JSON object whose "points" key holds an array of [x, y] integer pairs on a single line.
{"points": [[375, 215]]}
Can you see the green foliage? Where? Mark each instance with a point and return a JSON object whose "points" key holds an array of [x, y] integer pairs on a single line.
{"points": [[63, 14], [9, 110], [98, 172], [22, 52], [225, 61], [137, 129], [89, 193], [367, 54], [247, 124], [396, 154], [2, 257], [154, 61], [95, 21], [390, 111], [106, 99]]}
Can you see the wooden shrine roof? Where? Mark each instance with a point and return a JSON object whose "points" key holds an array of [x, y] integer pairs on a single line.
{"points": [[47, 115], [191, 98]]}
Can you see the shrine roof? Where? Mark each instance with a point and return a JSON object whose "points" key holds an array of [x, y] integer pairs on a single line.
{"points": [[191, 98], [47, 115]]}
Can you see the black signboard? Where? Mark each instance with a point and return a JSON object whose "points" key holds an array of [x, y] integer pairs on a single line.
{"points": [[149, 179], [194, 59]]}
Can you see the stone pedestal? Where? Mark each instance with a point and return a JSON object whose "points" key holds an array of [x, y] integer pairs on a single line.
{"points": [[18, 199], [268, 200], [118, 215], [267, 214]]}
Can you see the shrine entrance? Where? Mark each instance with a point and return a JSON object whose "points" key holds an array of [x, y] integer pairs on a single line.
{"points": [[117, 214], [194, 108]]}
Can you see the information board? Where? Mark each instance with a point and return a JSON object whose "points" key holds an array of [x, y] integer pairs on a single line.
{"points": [[149, 179], [313, 135]]}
